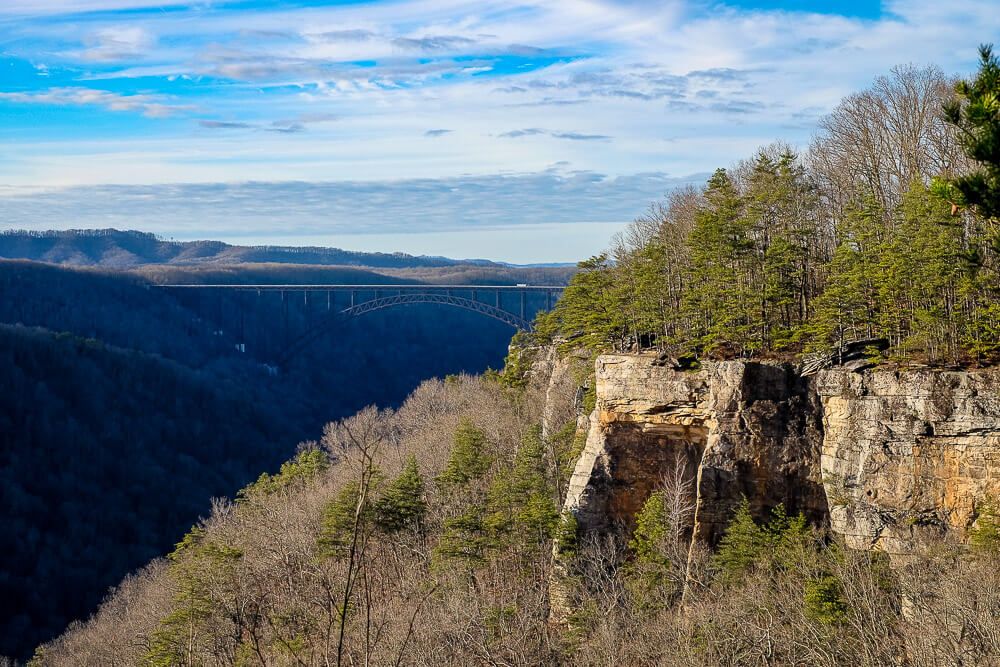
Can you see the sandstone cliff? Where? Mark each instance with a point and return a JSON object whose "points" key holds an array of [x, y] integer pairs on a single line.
{"points": [[885, 458], [908, 455]]}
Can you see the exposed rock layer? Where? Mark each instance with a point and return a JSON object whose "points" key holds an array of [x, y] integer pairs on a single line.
{"points": [[888, 458], [742, 429], [908, 455]]}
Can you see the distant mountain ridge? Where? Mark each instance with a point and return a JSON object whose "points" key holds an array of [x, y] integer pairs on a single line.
{"points": [[113, 248]]}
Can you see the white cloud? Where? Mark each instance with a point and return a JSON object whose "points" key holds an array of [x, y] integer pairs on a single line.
{"points": [[553, 196], [151, 106], [628, 87], [116, 44]]}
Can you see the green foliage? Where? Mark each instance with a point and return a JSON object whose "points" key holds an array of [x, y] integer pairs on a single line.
{"points": [[567, 535], [198, 565], [719, 302], [746, 545], [521, 501], [340, 518], [748, 270], [518, 510], [742, 544], [588, 314], [651, 525], [984, 537], [982, 336], [567, 445], [647, 576], [518, 361], [848, 307], [465, 537], [824, 600], [468, 461], [306, 465], [402, 503], [976, 113]]}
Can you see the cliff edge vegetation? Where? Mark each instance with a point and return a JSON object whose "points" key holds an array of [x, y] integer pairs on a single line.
{"points": [[886, 228]]}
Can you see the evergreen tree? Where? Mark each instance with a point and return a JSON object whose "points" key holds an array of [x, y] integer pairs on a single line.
{"points": [[198, 565], [590, 312], [339, 520], [741, 545], [824, 599], [465, 537], [402, 504], [720, 304], [648, 575], [651, 525], [306, 465], [781, 211], [521, 502], [745, 544], [976, 113], [468, 461], [849, 307]]}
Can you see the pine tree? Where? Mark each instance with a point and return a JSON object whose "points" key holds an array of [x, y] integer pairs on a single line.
{"points": [[521, 501], [339, 521], [648, 575], [850, 306], [591, 311], [651, 525], [402, 504], [824, 599], [465, 536], [719, 302], [468, 461], [741, 545], [976, 113], [306, 465]]}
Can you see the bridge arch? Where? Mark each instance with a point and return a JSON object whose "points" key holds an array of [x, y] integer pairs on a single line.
{"points": [[319, 328], [444, 299]]}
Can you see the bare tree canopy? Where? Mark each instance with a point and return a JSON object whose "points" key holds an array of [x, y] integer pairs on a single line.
{"points": [[880, 140]]}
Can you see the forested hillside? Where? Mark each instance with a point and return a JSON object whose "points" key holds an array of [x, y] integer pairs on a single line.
{"points": [[424, 536], [110, 408], [111, 248], [106, 455], [884, 228]]}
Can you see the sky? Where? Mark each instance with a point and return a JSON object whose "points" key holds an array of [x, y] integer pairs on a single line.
{"points": [[523, 131]]}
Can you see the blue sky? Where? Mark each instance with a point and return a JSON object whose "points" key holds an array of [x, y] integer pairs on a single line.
{"points": [[524, 131]]}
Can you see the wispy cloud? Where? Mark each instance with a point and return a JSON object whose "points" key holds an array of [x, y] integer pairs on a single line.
{"points": [[355, 35], [152, 106], [433, 43], [553, 196], [534, 131], [116, 44], [224, 125], [313, 91]]}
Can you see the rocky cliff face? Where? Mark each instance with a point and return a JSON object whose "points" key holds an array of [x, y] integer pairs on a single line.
{"points": [[886, 458], [740, 430], [908, 455]]}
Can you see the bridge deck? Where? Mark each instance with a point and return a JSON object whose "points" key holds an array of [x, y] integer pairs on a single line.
{"points": [[417, 287]]}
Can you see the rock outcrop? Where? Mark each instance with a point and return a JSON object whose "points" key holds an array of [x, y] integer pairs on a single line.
{"points": [[741, 429], [908, 455], [887, 458]]}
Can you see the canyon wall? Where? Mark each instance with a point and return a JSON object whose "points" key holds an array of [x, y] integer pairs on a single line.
{"points": [[886, 458], [908, 455]]}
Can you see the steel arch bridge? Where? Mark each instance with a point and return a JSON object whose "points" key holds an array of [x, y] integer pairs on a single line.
{"points": [[514, 305], [516, 321]]}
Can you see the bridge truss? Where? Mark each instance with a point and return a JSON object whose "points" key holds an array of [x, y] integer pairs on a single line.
{"points": [[505, 303]]}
